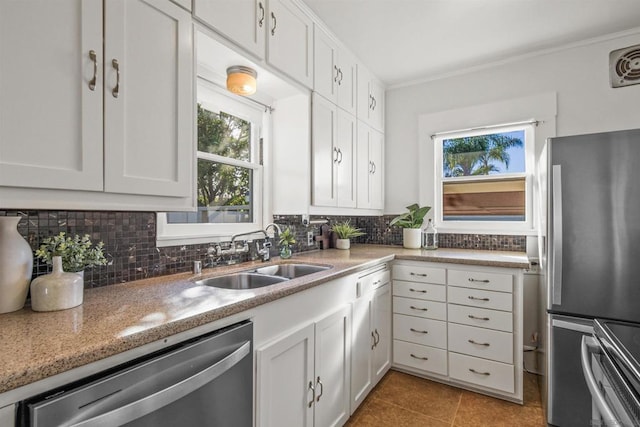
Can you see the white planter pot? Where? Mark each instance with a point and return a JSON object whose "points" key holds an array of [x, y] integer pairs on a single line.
{"points": [[16, 265], [343, 244], [58, 290], [412, 238]]}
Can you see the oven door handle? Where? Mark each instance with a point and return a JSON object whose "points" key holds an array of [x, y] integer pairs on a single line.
{"points": [[164, 397], [607, 414]]}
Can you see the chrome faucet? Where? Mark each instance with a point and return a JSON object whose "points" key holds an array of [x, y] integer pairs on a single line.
{"points": [[275, 226]]}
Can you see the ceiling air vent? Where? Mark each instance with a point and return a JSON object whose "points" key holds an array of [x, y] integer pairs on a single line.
{"points": [[624, 66]]}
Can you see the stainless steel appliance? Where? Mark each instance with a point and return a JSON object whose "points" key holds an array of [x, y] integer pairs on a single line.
{"points": [[594, 256], [207, 381], [612, 372]]}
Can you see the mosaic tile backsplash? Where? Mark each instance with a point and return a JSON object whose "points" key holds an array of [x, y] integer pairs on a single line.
{"points": [[130, 241]]}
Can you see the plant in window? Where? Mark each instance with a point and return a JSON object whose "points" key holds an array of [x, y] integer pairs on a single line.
{"points": [[411, 222], [345, 231]]}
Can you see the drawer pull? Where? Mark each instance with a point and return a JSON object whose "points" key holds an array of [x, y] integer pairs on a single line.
{"points": [[417, 290], [486, 344], [377, 282], [479, 373], [471, 279], [421, 332], [418, 308], [418, 357], [477, 299], [418, 274], [471, 316]]}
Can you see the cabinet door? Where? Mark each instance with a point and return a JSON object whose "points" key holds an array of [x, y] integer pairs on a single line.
{"points": [[376, 178], [382, 332], [325, 67], [347, 82], [364, 93], [149, 99], [324, 151], [51, 113], [284, 381], [290, 40], [362, 350], [346, 169], [241, 21], [363, 166], [332, 368], [376, 115]]}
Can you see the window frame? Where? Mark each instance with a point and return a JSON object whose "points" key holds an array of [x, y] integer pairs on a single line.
{"points": [[216, 99], [501, 227]]}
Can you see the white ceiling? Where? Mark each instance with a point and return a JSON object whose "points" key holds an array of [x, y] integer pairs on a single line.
{"points": [[411, 40]]}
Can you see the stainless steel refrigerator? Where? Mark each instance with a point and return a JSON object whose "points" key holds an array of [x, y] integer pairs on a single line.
{"points": [[593, 253]]}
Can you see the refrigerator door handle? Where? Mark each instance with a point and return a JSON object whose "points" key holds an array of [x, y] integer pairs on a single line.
{"points": [[556, 267], [599, 401]]}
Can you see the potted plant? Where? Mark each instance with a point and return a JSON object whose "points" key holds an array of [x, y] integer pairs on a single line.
{"points": [[287, 239], [411, 222], [345, 231], [77, 253]]}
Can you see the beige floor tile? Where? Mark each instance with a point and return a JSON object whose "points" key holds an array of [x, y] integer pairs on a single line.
{"points": [[380, 413], [477, 410], [531, 391], [416, 394]]}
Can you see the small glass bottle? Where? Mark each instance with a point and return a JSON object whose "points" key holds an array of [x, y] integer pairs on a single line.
{"points": [[430, 237]]}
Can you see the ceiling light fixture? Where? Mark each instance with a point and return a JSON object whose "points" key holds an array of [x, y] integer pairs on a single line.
{"points": [[241, 80]]}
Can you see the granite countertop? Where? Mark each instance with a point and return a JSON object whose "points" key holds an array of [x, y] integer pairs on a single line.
{"points": [[117, 318]]}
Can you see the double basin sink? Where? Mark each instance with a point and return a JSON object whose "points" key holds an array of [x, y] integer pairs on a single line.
{"points": [[262, 276]]}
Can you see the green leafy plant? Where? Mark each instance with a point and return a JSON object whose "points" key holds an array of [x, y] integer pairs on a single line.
{"points": [[77, 252], [287, 237], [412, 219], [345, 230]]}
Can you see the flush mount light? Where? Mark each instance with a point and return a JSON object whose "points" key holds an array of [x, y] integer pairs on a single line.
{"points": [[241, 80]]}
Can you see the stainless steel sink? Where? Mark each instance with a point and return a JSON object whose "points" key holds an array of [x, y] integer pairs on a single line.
{"points": [[291, 271], [241, 281]]}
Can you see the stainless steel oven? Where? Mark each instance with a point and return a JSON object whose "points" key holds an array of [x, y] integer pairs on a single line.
{"points": [[611, 372], [204, 381]]}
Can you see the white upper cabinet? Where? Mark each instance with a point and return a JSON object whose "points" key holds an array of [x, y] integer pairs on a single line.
{"points": [[370, 99], [370, 168], [51, 94], [334, 71], [290, 40], [243, 22], [65, 125]]}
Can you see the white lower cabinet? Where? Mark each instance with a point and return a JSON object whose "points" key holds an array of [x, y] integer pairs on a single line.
{"points": [[371, 344], [303, 378], [460, 324]]}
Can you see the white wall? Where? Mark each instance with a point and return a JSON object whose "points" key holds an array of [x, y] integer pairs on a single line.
{"points": [[578, 74]]}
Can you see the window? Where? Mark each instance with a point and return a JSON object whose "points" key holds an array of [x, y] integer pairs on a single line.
{"points": [[229, 171], [483, 179]]}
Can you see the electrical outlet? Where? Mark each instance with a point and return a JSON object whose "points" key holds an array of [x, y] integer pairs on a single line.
{"points": [[310, 237]]}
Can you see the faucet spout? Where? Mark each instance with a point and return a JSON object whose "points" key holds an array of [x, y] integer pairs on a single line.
{"points": [[275, 226]]}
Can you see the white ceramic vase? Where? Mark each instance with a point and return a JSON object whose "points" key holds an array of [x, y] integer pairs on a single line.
{"points": [[57, 290], [412, 238], [16, 265], [343, 244]]}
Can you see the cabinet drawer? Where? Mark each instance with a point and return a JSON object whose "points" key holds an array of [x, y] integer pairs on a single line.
{"points": [[420, 308], [420, 331], [482, 317], [420, 290], [372, 281], [420, 274], [478, 298], [485, 343], [484, 373], [421, 357], [481, 280]]}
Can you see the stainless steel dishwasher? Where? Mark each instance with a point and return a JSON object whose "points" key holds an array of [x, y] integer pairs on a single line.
{"points": [[206, 381]]}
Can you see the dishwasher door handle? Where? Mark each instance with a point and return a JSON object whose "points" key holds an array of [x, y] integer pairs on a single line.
{"points": [[164, 397]]}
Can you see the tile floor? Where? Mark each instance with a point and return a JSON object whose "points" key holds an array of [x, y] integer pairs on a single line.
{"points": [[402, 400]]}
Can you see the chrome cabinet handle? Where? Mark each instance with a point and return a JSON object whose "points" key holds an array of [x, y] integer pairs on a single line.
{"points": [[370, 101], [374, 167], [416, 330], [275, 24], [313, 391], [335, 68], [261, 20], [335, 159], [477, 299], [418, 357], [377, 282], [318, 382], [370, 166], [373, 107], [486, 344], [340, 153], [93, 57], [479, 373], [374, 341], [471, 316], [418, 274], [341, 76], [418, 291], [377, 337], [471, 279], [116, 90], [418, 308]]}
